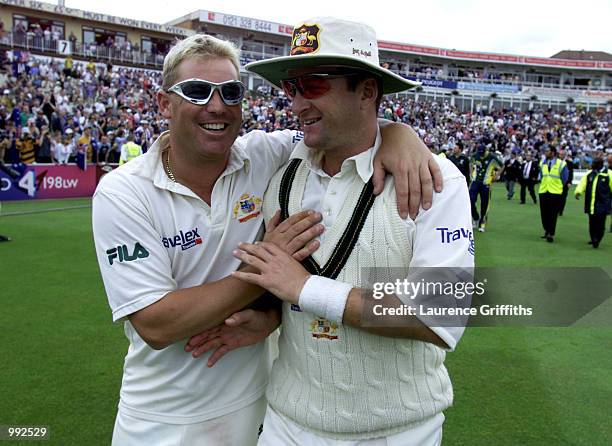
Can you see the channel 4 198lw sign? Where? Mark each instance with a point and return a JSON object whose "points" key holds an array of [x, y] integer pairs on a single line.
{"points": [[45, 181]]}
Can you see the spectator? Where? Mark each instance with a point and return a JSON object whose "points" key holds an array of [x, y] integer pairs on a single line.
{"points": [[61, 149], [5, 144], [84, 144], [41, 120], [103, 150], [73, 40], [25, 146], [47, 37], [43, 152], [71, 146]]}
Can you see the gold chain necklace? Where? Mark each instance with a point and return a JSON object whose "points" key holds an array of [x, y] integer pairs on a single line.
{"points": [[168, 169]]}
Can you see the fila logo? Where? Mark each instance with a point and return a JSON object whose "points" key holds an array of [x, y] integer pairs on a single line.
{"points": [[185, 240], [448, 236], [122, 253]]}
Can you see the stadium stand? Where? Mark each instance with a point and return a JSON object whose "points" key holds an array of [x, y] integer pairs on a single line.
{"points": [[54, 87]]}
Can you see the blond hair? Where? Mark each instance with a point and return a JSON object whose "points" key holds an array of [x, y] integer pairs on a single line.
{"points": [[198, 45]]}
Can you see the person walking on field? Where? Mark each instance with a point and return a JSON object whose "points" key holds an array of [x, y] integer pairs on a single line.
{"points": [[597, 190], [554, 174]]}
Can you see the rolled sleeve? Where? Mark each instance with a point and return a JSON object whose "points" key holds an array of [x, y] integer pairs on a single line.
{"points": [[444, 239]]}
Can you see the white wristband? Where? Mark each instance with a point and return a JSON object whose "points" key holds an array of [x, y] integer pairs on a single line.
{"points": [[324, 297]]}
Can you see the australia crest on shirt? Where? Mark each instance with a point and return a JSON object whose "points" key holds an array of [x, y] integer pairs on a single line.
{"points": [[321, 328], [247, 207]]}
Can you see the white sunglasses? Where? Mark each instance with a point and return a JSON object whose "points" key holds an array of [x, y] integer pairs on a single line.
{"points": [[199, 91]]}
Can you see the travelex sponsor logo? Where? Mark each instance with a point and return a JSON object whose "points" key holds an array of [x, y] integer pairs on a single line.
{"points": [[183, 239], [122, 254], [448, 236]]}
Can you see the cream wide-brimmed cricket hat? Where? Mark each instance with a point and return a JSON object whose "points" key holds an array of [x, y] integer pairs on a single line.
{"points": [[327, 41]]}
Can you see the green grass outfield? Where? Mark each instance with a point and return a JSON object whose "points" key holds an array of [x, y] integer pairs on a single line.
{"points": [[62, 357]]}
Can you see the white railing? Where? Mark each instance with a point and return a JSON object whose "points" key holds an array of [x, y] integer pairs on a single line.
{"points": [[100, 53]]}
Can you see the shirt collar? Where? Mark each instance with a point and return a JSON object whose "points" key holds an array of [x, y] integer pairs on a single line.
{"points": [[363, 162], [150, 165]]}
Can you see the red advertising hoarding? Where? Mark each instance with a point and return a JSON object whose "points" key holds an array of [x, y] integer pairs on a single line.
{"points": [[47, 181], [560, 62], [508, 58], [482, 56]]}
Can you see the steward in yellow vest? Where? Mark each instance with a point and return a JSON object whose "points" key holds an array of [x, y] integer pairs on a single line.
{"points": [[551, 176], [554, 175], [129, 150]]}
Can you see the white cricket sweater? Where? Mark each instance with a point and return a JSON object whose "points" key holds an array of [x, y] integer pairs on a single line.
{"points": [[343, 382]]}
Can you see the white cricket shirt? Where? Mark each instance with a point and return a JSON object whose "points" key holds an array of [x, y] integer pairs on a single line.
{"points": [[154, 236]]}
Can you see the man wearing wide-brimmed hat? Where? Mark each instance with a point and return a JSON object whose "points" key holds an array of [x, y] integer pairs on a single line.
{"points": [[165, 225], [336, 378]]}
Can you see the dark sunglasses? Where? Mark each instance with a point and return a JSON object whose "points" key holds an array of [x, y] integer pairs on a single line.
{"points": [[199, 91], [311, 86]]}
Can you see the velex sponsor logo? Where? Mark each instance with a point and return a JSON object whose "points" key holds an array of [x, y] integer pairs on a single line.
{"points": [[183, 239], [448, 236], [122, 254]]}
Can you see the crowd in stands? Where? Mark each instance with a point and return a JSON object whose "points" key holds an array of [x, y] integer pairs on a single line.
{"points": [[50, 111], [429, 72], [582, 134], [54, 110]]}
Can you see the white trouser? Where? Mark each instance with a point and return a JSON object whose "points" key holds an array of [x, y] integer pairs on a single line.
{"points": [[239, 428], [280, 431]]}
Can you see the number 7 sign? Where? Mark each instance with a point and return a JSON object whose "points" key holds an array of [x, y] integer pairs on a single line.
{"points": [[64, 47]]}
